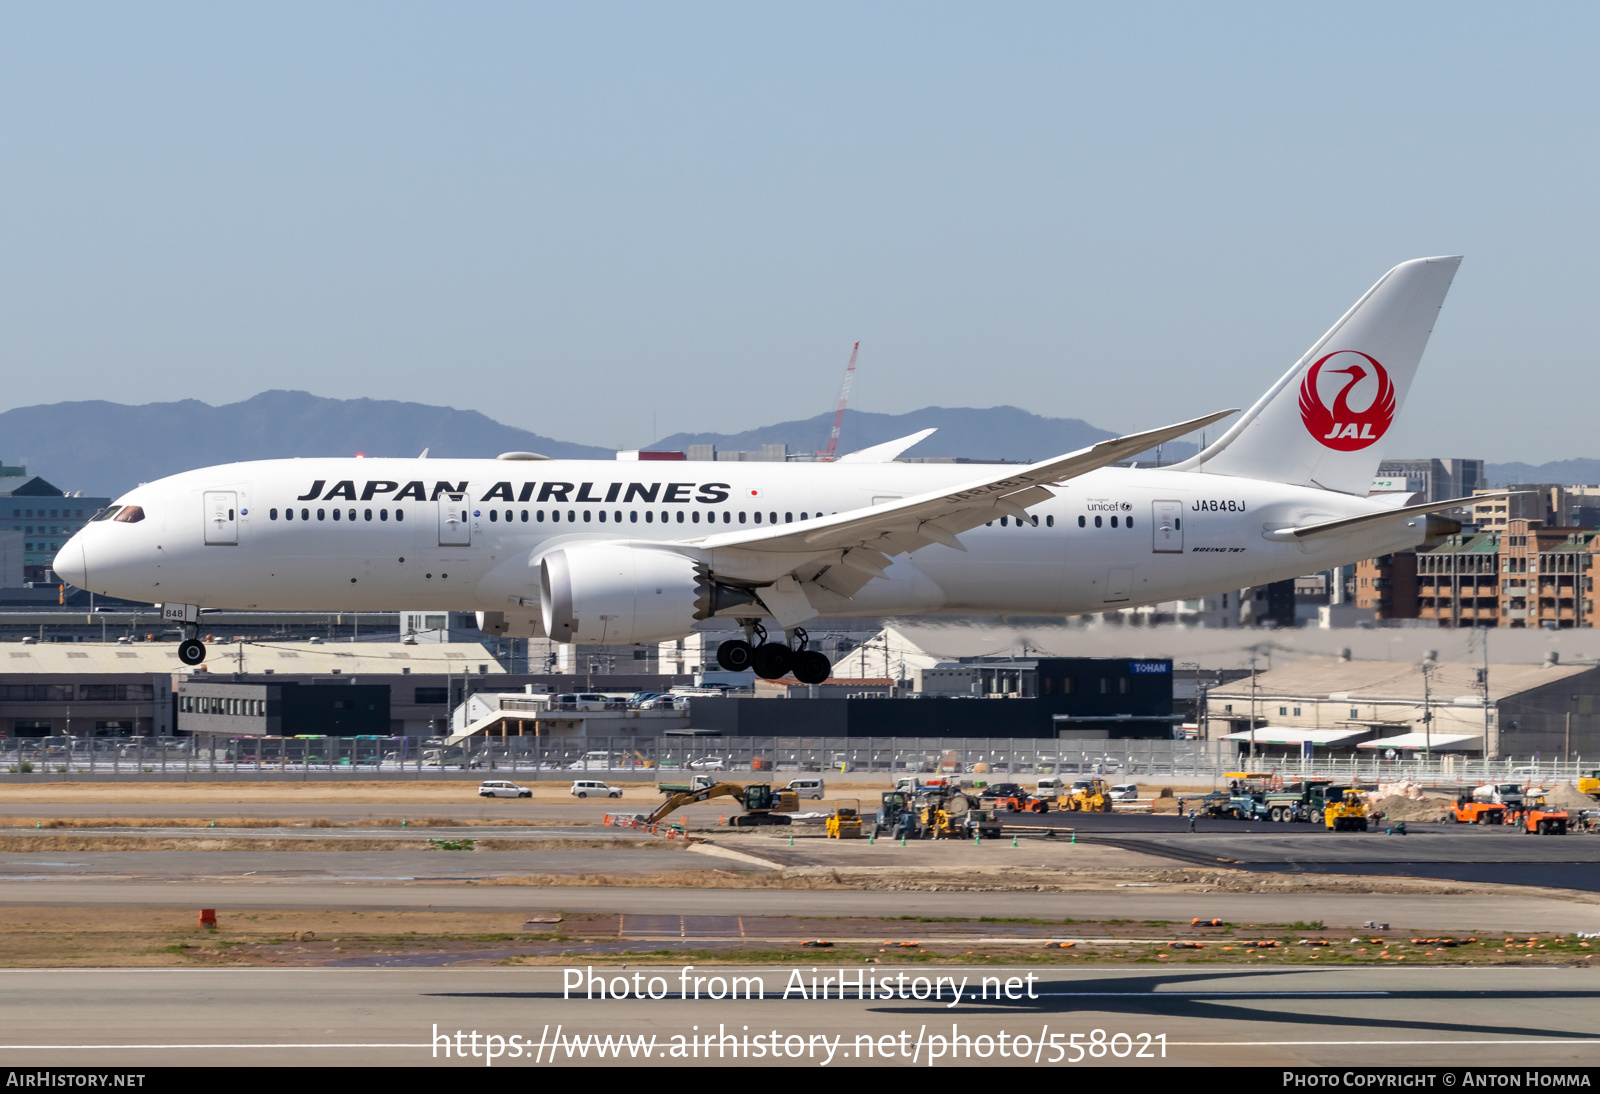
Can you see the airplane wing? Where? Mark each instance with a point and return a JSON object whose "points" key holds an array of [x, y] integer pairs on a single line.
{"points": [[1290, 535], [869, 535], [886, 452]]}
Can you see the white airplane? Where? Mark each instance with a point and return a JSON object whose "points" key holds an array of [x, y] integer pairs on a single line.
{"points": [[625, 552]]}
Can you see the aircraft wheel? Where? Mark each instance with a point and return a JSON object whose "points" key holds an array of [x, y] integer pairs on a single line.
{"points": [[772, 660], [735, 655], [191, 651], [811, 667]]}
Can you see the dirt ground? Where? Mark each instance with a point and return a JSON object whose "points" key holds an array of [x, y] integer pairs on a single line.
{"points": [[150, 937]]}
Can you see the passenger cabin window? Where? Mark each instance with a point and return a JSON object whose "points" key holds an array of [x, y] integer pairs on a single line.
{"points": [[133, 514], [272, 513]]}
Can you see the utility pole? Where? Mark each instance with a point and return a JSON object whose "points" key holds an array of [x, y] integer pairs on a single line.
{"points": [[1427, 713], [1252, 709]]}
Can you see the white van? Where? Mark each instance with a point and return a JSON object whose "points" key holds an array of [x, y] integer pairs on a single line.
{"points": [[595, 761], [495, 789], [807, 787], [1125, 792], [594, 788], [1050, 787]]}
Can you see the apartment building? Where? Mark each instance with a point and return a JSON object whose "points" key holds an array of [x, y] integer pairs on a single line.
{"points": [[1458, 581], [1547, 576], [1387, 586]]}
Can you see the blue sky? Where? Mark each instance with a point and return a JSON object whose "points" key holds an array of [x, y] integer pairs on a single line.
{"points": [[574, 217]]}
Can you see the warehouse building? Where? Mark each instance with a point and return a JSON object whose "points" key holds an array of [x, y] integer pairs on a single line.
{"points": [[1499, 711]]}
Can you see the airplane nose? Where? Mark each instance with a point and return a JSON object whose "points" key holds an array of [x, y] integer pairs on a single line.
{"points": [[71, 565]]}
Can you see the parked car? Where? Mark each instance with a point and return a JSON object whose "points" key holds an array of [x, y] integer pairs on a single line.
{"points": [[582, 700], [807, 787], [708, 763], [598, 761], [494, 789], [1125, 792], [594, 788]]}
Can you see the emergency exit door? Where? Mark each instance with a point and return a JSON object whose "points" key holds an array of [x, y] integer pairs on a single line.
{"points": [[1167, 522], [222, 517], [455, 521]]}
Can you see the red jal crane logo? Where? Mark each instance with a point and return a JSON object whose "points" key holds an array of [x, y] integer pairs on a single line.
{"points": [[1341, 428]]}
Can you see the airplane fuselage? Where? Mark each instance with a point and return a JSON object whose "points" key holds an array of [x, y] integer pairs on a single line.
{"points": [[381, 534]]}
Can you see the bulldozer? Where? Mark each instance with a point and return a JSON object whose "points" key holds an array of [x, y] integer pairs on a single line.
{"points": [[762, 804], [845, 820], [1348, 814], [1087, 796]]}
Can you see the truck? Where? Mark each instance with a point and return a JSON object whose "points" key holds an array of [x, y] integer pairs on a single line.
{"points": [[1305, 802]]}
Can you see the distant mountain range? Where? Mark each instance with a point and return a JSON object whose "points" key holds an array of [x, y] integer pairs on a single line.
{"points": [[1563, 472], [106, 448], [993, 433]]}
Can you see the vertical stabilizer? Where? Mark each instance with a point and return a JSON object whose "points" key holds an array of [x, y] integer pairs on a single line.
{"points": [[1323, 424]]}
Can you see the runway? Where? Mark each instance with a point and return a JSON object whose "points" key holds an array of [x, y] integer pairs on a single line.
{"points": [[1351, 1018]]}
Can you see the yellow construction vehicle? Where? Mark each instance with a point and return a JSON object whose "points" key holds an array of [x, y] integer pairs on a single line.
{"points": [[845, 821], [762, 804], [1590, 784], [1087, 796], [1349, 814]]}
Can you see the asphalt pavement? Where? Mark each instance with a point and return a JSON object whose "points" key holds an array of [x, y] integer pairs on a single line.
{"points": [[1351, 1018]]}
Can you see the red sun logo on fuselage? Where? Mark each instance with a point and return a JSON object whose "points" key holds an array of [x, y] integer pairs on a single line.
{"points": [[1340, 428]]}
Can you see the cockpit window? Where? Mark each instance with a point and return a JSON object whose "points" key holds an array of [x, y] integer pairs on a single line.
{"points": [[106, 513], [131, 514]]}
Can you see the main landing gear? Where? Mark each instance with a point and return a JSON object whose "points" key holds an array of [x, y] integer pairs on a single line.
{"points": [[774, 660], [191, 651]]}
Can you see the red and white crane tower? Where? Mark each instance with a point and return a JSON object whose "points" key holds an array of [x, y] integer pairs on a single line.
{"points": [[829, 454]]}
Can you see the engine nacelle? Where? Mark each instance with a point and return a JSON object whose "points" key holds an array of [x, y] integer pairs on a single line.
{"points": [[612, 594]]}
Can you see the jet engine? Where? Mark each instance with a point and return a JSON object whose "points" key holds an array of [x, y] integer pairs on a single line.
{"points": [[612, 594]]}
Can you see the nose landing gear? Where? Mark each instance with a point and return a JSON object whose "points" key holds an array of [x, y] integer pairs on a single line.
{"points": [[191, 651]]}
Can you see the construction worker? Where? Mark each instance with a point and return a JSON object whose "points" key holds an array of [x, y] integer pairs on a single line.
{"points": [[1191, 820]]}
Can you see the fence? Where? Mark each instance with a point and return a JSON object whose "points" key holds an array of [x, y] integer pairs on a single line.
{"points": [[644, 758]]}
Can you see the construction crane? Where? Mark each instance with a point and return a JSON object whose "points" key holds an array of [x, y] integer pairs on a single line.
{"points": [[829, 454]]}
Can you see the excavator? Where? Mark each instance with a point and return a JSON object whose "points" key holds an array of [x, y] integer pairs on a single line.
{"points": [[762, 804]]}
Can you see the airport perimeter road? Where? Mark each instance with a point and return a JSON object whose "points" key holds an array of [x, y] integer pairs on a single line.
{"points": [[1531, 913], [389, 1017]]}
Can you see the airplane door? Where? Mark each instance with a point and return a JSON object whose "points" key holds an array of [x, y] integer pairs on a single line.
{"points": [[222, 517], [1167, 520], [455, 521], [1119, 583]]}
